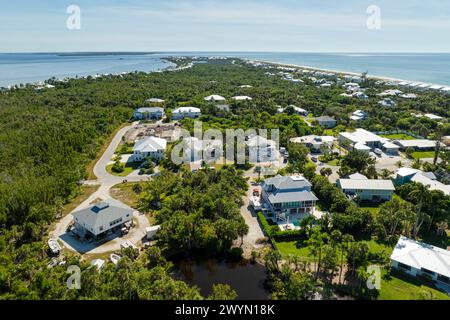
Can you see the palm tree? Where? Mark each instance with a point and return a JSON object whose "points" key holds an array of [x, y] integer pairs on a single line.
{"points": [[423, 196], [346, 240]]}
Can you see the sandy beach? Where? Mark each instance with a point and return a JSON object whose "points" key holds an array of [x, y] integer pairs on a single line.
{"points": [[340, 72]]}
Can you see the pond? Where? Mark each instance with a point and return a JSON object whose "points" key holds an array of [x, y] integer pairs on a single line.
{"points": [[246, 278]]}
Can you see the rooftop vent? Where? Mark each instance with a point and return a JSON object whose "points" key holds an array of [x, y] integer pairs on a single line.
{"points": [[298, 178]]}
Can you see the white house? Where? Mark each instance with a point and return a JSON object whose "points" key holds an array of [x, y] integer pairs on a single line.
{"points": [[360, 95], [151, 147], [315, 143], [367, 189], [215, 99], [418, 144], [101, 217], [290, 194], [148, 113], [387, 102], [241, 98], [358, 115], [186, 112], [433, 117], [297, 110], [155, 100], [419, 259]]}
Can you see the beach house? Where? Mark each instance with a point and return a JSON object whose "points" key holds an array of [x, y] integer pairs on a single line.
{"points": [[417, 144], [215, 99], [151, 147], [288, 194], [186, 112], [149, 113], [428, 179], [423, 261], [316, 144], [101, 217], [326, 121], [364, 189], [363, 140]]}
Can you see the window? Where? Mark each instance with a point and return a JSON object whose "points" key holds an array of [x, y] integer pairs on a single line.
{"points": [[443, 279], [404, 266], [431, 273], [115, 222]]}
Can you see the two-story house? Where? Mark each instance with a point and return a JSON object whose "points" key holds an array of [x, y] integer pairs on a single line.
{"points": [[290, 194]]}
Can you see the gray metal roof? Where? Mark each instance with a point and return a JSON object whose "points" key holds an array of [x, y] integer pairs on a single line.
{"points": [[367, 184], [102, 213], [290, 182], [296, 196], [325, 118]]}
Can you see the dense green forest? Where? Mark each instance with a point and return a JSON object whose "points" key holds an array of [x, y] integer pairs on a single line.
{"points": [[48, 137]]}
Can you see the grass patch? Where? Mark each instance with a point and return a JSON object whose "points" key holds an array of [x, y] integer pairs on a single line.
{"points": [[422, 154], [372, 208], [397, 136], [400, 287], [124, 192], [129, 168], [290, 248]]}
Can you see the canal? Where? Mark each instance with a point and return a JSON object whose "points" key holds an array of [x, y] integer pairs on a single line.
{"points": [[246, 278]]}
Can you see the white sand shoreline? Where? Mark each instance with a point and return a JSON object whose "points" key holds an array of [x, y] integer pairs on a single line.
{"points": [[383, 78]]}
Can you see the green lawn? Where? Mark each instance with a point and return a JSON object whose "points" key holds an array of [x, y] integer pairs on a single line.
{"points": [[372, 208], [422, 154], [400, 287], [290, 248], [397, 136], [129, 168]]}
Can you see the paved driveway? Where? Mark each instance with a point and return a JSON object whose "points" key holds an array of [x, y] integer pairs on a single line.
{"points": [[106, 181]]}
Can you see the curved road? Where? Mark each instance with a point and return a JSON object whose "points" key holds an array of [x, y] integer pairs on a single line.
{"points": [[106, 182]]}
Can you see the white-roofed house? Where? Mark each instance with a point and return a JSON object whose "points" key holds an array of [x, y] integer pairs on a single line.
{"points": [[418, 259], [387, 102], [417, 144], [360, 138], [433, 117], [315, 143], [358, 115], [147, 113], [151, 147], [214, 98], [242, 98], [367, 189], [155, 100], [186, 112], [101, 217]]}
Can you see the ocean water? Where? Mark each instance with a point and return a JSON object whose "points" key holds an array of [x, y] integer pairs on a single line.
{"points": [[18, 68]]}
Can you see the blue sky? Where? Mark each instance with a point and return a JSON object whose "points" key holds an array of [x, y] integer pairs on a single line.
{"points": [[232, 25]]}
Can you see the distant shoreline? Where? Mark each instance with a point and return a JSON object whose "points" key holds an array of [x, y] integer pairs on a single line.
{"points": [[383, 78]]}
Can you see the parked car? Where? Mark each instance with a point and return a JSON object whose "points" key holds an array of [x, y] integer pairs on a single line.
{"points": [[378, 152], [314, 159]]}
